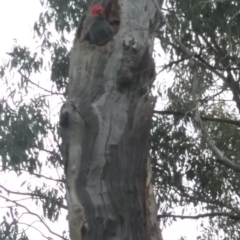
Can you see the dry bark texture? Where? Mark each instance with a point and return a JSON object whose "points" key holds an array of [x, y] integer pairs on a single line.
{"points": [[105, 123]]}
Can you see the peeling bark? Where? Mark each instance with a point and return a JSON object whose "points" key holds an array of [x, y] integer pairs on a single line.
{"points": [[105, 126]]}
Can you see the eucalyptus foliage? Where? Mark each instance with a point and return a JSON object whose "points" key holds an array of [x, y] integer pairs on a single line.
{"points": [[186, 173]]}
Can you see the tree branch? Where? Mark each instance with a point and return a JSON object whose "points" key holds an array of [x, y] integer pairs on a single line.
{"points": [[42, 176], [33, 83], [31, 226], [214, 214], [234, 86], [180, 44], [213, 67], [32, 195], [221, 158], [33, 214], [204, 118]]}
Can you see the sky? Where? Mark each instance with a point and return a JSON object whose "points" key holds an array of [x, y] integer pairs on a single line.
{"points": [[16, 23]]}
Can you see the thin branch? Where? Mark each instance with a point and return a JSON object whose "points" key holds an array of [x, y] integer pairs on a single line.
{"points": [[56, 141], [221, 158], [170, 64], [50, 152], [180, 44], [33, 214], [42, 176], [213, 96], [204, 118], [200, 198], [40, 196], [211, 215], [195, 82], [205, 64], [213, 67], [33, 83], [31, 226], [234, 86]]}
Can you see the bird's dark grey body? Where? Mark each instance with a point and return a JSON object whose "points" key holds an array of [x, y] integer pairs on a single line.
{"points": [[100, 31]]}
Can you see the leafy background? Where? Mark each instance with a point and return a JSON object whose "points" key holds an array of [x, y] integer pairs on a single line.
{"points": [[190, 181]]}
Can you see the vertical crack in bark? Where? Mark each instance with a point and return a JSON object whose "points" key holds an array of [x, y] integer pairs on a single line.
{"points": [[107, 160], [78, 111], [109, 133]]}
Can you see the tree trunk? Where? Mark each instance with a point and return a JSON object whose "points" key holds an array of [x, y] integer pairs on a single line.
{"points": [[105, 130]]}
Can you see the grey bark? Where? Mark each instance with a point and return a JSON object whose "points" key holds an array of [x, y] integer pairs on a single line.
{"points": [[106, 123]]}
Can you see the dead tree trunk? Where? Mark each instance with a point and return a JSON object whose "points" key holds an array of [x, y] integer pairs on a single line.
{"points": [[106, 123]]}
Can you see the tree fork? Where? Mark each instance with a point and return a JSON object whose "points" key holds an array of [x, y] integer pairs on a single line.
{"points": [[105, 141]]}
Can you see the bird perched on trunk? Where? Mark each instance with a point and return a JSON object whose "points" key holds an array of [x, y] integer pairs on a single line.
{"points": [[100, 31]]}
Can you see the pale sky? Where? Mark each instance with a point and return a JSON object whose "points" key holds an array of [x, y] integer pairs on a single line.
{"points": [[16, 22]]}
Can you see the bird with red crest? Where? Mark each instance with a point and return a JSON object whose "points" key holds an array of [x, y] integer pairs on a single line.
{"points": [[100, 31]]}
